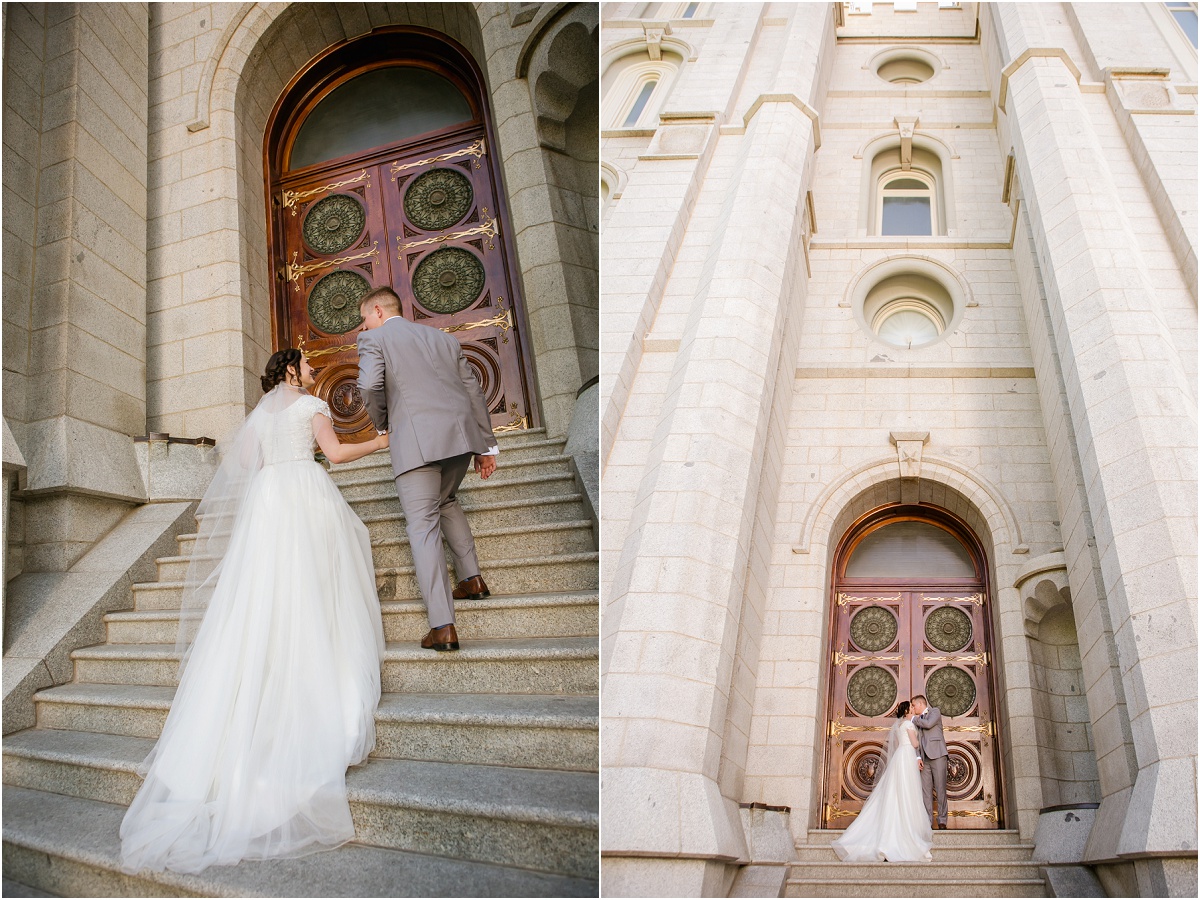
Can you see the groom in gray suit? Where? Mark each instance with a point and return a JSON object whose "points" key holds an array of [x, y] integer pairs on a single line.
{"points": [[417, 386], [933, 756]]}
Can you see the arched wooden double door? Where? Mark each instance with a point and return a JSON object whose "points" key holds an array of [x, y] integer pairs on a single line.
{"points": [[381, 171], [910, 615]]}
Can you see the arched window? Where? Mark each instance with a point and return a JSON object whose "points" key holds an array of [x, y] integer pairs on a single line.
{"points": [[378, 107], [906, 196], [635, 88], [906, 204]]}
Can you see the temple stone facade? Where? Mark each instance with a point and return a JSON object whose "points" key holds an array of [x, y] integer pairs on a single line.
{"points": [[757, 407]]}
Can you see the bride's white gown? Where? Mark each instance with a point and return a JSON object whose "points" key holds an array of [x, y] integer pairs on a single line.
{"points": [[280, 686], [893, 824]]}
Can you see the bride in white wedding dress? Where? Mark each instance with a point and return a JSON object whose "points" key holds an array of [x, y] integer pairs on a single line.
{"points": [[281, 641], [892, 824]]}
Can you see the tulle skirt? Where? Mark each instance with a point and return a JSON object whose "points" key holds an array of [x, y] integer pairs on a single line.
{"points": [[279, 693], [893, 824]]}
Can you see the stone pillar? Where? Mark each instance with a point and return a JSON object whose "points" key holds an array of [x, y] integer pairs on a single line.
{"points": [[670, 631], [645, 235], [544, 62], [85, 393], [1132, 407]]}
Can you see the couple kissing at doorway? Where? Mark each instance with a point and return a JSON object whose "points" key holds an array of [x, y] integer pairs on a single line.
{"points": [[894, 824]]}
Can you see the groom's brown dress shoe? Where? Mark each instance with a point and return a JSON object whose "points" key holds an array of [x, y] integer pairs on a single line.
{"points": [[941, 826], [473, 587], [444, 638]]}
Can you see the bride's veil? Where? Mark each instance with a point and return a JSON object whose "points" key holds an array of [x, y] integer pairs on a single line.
{"points": [[895, 740], [241, 458]]}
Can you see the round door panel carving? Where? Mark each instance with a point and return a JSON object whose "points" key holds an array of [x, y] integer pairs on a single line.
{"points": [[448, 280], [333, 301], [863, 766], [486, 368], [948, 629], [951, 690], [873, 628], [438, 199], [964, 772], [334, 223], [338, 386], [871, 691]]}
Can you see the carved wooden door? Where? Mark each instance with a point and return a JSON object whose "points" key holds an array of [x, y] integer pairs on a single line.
{"points": [[889, 643], [426, 221]]}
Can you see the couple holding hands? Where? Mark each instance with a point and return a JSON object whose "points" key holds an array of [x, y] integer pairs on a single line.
{"points": [[280, 636]]}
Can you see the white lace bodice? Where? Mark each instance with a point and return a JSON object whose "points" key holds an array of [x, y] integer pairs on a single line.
{"points": [[288, 435]]}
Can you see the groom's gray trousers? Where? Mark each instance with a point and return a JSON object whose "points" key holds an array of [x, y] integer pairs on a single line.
{"points": [[933, 775], [428, 498]]}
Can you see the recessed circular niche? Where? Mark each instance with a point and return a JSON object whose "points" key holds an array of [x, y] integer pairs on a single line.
{"points": [[908, 303], [905, 65]]}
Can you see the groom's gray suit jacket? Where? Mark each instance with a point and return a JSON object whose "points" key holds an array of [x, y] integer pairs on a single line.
{"points": [[929, 729], [417, 385]]}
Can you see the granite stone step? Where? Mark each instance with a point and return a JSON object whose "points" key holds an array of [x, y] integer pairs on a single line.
{"points": [[567, 665], [937, 870], [532, 575], [70, 847], [381, 460], [509, 616], [508, 440], [523, 513], [528, 730], [941, 853], [533, 818], [953, 837], [916, 886], [370, 483], [380, 498], [542, 539]]}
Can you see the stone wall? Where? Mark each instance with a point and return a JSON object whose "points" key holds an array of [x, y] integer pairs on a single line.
{"points": [[75, 276]]}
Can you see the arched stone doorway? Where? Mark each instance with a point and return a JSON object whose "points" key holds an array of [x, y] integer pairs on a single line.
{"points": [[910, 613], [381, 171]]}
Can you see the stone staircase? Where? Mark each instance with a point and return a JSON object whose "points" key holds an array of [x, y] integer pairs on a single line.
{"points": [[484, 777], [965, 863]]}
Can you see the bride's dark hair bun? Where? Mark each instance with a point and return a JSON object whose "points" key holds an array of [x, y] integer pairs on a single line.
{"points": [[278, 365], [902, 709]]}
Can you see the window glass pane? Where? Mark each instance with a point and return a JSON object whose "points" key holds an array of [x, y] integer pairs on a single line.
{"points": [[640, 104], [376, 108], [910, 550], [690, 10], [1186, 18], [908, 328], [906, 215], [906, 184]]}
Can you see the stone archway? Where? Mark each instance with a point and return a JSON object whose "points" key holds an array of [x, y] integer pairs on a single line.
{"points": [[790, 696]]}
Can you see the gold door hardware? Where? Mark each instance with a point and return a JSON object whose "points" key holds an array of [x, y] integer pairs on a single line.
{"points": [[476, 150], [293, 198], [491, 228], [294, 271]]}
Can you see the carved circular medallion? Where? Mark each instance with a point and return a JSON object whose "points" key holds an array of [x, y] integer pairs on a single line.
{"points": [[448, 280], [873, 628], [948, 629], [951, 690], [964, 772], [862, 767], [438, 199], [345, 400], [872, 691], [333, 302], [334, 223]]}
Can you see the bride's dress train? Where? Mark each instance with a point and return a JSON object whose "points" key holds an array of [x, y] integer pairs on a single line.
{"points": [[893, 824], [279, 690]]}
